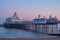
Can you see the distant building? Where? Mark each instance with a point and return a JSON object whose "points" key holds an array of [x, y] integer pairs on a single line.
{"points": [[40, 24], [45, 25], [52, 25], [14, 18], [58, 25]]}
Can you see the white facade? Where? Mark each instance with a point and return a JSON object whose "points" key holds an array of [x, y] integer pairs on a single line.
{"points": [[58, 27], [52, 28]]}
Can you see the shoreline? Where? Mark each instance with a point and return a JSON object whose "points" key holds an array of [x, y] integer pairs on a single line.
{"points": [[29, 38]]}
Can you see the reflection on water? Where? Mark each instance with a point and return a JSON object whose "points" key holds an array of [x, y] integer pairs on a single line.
{"points": [[18, 33]]}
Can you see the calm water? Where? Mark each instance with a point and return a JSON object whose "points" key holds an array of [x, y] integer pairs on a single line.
{"points": [[18, 33]]}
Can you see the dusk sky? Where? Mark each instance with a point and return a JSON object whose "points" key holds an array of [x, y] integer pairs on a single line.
{"points": [[28, 9]]}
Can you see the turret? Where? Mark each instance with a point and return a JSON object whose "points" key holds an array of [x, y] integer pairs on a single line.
{"points": [[15, 15], [43, 16], [39, 16], [50, 16]]}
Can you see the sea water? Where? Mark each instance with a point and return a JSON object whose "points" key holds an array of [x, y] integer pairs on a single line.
{"points": [[18, 33]]}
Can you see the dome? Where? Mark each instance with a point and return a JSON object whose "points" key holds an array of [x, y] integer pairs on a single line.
{"points": [[15, 16]]}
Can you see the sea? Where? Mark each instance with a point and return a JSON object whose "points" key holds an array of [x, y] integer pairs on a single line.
{"points": [[19, 33]]}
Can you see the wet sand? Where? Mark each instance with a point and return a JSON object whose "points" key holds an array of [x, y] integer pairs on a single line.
{"points": [[29, 38]]}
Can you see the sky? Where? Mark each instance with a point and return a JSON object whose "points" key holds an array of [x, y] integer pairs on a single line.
{"points": [[29, 9]]}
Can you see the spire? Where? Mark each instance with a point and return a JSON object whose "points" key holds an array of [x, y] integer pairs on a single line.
{"points": [[15, 14], [43, 16], [50, 16], [55, 18], [39, 16]]}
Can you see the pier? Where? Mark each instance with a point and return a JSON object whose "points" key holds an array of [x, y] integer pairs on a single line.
{"points": [[40, 25]]}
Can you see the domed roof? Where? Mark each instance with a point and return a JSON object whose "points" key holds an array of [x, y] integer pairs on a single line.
{"points": [[15, 16]]}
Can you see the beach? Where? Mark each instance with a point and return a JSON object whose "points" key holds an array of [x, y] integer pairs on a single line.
{"points": [[30, 39]]}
